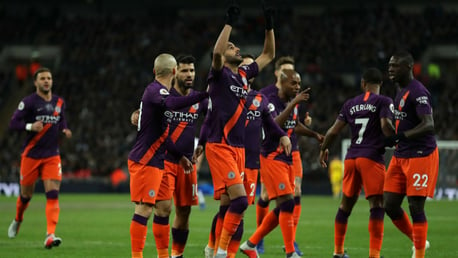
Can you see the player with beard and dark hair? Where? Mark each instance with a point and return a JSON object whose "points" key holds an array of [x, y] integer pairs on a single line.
{"points": [[258, 116], [225, 152], [414, 167]]}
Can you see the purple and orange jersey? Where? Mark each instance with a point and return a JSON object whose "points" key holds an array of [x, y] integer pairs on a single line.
{"points": [[152, 128], [226, 109], [269, 147], [363, 114], [410, 103], [182, 126], [34, 108], [258, 116]]}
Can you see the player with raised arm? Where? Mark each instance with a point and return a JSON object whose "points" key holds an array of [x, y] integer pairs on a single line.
{"points": [[146, 159], [258, 114], [414, 167], [228, 89], [277, 172], [369, 117], [41, 114]]}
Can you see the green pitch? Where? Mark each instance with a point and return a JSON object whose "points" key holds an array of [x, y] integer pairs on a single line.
{"points": [[93, 225]]}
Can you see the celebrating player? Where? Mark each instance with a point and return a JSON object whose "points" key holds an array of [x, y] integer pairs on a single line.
{"points": [[369, 116]]}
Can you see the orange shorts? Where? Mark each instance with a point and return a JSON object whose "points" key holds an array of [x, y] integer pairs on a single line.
{"points": [[47, 168], [413, 176], [183, 187], [277, 177], [250, 178], [226, 165], [144, 182], [297, 164], [363, 172]]}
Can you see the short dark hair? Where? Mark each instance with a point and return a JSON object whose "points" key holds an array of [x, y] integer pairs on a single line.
{"points": [[405, 56], [283, 60], [40, 70], [373, 75], [186, 59]]}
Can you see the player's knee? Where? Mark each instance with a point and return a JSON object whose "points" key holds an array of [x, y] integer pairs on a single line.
{"points": [[52, 195], [417, 212], [239, 205], [393, 211], [183, 211], [287, 206], [163, 208]]}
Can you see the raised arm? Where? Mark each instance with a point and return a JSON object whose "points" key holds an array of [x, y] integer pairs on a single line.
{"points": [[232, 14], [268, 53]]}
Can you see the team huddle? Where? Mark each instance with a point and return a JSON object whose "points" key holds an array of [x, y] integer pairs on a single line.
{"points": [[247, 133]]}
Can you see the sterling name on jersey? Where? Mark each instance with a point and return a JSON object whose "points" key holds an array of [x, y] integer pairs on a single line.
{"points": [[363, 113]]}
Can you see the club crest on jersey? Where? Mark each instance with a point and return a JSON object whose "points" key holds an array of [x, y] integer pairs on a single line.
{"points": [[256, 103], [281, 186], [231, 175], [163, 92], [152, 193], [402, 103], [57, 110], [21, 105], [195, 106]]}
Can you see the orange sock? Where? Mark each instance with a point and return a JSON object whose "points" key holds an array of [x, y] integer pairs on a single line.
{"points": [[137, 255], [420, 231], [52, 211], [218, 230], [211, 235], [375, 231], [268, 224], [138, 232], [230, 225], [404, 225], [161, 232], [219, 225], [340, 230], [234, 244], [297, 213], [262, 208], [286, 222], [21, 205]]}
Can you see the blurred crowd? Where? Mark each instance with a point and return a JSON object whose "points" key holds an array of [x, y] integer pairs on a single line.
{"points": [[107, 61]]}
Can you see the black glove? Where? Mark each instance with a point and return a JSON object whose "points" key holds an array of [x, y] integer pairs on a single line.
{"points": [[232, 13], [269, 13], [394, 139]]}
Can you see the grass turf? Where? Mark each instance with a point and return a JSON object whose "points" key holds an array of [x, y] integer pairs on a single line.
{"points": [[97, 225]]}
